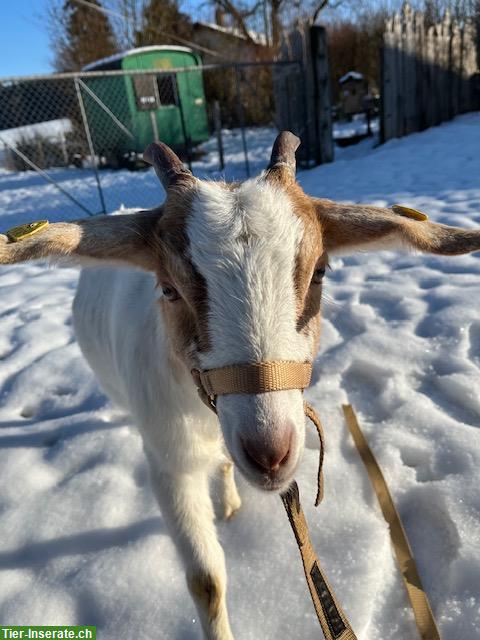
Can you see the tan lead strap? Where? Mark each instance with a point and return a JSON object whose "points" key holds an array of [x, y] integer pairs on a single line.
{"points": [[418, 598], [310, 413], [330, 615]]}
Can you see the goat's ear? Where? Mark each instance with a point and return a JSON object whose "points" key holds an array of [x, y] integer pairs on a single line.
{"points": [[118, 239], [348, 227]]}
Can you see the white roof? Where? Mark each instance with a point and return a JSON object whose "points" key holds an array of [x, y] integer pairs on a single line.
{"points": [[259, 38], [124, 54], [351, 75]]}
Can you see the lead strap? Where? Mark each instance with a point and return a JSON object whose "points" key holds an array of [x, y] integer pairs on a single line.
{"points": [[332, 619], [426, 625]]}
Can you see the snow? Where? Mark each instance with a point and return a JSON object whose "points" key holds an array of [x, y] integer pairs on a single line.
{"points": [[51, 129], [357, 127], [123, 188], [130, 52], [81, 538], [351, 75], [258, 38]]}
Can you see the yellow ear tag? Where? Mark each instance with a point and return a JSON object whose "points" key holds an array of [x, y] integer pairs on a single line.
{"points": [[26, 230], [407, 212]]}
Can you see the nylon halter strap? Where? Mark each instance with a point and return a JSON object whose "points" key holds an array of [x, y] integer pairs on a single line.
{"points": [[263, 377]]}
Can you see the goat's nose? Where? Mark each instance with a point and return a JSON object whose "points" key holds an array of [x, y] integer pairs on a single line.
{"points": [[272, 455]]}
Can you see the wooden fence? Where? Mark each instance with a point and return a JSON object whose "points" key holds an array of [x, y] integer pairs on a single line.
{"points": [[429, 75], [302, 96]]}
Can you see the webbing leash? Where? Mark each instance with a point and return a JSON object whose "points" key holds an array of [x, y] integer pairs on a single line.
{"points": [[418, 598], [332, 619]]}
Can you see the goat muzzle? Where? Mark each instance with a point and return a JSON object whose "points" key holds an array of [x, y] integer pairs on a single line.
{"points": [[260, 377]]}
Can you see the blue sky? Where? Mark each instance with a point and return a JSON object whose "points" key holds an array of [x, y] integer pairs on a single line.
{"points": [[24, 46], [24, 43]]}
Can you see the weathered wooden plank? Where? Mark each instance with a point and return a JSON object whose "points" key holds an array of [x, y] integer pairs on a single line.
{"points": [[427, 72], [410, 97]]}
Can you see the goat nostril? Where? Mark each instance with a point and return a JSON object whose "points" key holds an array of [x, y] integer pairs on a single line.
{"points": [[283, 461], [269, 458]]}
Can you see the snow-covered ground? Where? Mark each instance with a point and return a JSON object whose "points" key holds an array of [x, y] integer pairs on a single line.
{"points": [[51, 129], [81, 539], [357, 127], [123, 188]]}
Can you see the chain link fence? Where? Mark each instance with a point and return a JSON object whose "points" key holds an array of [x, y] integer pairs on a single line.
{"points": [[80, 136]]}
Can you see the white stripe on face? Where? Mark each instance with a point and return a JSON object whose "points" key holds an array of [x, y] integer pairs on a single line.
{"points": [[244, 242]]}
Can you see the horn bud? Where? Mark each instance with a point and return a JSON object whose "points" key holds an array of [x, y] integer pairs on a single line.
{"points": [[283, 152], [168, 166]]}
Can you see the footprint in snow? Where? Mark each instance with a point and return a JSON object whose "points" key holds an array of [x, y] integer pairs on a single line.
{"points": [[432, 534], [474, 339], [367, 387], [389, 307], [422, 462]]}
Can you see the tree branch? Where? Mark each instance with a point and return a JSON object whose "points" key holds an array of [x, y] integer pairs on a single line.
{"points": [[239, 19], [319, 8]]}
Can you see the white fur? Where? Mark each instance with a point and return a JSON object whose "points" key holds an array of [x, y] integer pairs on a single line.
{"points": [[121, 333], [245, 243]]}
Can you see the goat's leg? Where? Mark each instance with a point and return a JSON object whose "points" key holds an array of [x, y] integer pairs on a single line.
{"points": [[231, 500], [188, 512]]}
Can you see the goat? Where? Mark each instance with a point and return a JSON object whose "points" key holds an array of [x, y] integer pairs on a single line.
{"points": [[223, 274]]}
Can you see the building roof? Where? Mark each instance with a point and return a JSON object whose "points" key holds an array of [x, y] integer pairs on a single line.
{"points": [[119, 56], [258, 38], [351, 75]]}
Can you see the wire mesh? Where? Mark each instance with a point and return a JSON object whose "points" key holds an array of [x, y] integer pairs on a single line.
{"points": [[80, 136]]}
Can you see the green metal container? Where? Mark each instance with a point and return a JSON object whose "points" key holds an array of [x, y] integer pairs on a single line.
{"points": [[170, 107]]}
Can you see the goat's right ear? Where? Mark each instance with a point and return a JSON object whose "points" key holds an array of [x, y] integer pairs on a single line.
{"points": [[351, 227], [116, 239]]}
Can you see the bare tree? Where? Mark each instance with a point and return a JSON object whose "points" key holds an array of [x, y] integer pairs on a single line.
{"points": [[126, 16], [273, 17], [162, 22], [79, 34]]}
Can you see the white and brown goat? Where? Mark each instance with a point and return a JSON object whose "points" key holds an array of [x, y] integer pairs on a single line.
{"points": [[225, 274]]}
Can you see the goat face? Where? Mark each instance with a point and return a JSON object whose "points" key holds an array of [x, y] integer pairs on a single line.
{"points": [[245, 287], [241, 275]]}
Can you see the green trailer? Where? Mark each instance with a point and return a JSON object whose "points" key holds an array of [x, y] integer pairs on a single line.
{"points": [[126, 112]]}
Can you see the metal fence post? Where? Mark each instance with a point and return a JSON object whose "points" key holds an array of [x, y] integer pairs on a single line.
{"points": [[186, 137], [218, 132], [241, 117], [90, 142]]}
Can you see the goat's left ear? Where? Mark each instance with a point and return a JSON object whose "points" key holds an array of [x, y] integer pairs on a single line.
{"points": [[348, 227], [118, 239]]}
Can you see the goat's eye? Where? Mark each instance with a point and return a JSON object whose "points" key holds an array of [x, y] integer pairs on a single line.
{"points": [[170, 293], [318, 275]]}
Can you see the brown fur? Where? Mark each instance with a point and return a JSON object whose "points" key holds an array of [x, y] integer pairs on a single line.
{"points": [[349, 225], [207, 590], [187, 317], [123, 239], [311, 254]]}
